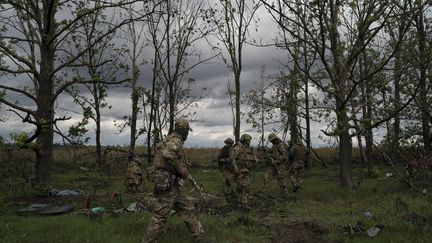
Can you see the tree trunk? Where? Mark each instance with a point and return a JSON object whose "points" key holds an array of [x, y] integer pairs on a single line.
{"points": [[423, 65], [135, 97], [45, 99], [397, 104], [345, 146], [237, 105], [293, 105]]}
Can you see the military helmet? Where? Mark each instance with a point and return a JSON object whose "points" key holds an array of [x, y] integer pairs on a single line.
{"points": [[245, 137], [229, 141], [272, 136], [182, 123]]}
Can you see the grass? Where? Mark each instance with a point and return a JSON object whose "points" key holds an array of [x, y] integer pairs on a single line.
{"points": [[322, 209]]}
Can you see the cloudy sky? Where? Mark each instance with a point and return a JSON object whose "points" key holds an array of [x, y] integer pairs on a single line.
{"points": [[213, 120]]}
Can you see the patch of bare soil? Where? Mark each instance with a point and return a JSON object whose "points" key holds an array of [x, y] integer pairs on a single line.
{"points": [[299, 232]]}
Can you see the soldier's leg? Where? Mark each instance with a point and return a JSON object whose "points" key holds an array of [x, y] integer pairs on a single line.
{"points": [[162, 208], [268, 177], [227, 182], [298, 174], [292, 177], [186, 209], [229, 193], [281, 182], [245, 187]]}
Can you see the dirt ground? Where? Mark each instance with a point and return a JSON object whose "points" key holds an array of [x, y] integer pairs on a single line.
{"points": [[299, 232]]}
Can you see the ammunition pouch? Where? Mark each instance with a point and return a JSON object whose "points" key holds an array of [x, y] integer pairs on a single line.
{"points": [[163, 181], [245, 164]]}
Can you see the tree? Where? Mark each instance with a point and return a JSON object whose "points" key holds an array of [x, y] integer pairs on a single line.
{"points": [[101, 64], [233, 21], [33, 40], [326, 30], [175, 31], [261, 110], [134, 33], [423, 62]]}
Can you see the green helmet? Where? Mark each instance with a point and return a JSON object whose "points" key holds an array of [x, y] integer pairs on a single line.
{"points": [[245, 137]]}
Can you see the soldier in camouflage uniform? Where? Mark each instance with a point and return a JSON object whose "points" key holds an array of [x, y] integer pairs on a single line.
{"points": [[296, 160], [169, 168], [134, 181], [225, 165], [244, 161], [277, 159]]}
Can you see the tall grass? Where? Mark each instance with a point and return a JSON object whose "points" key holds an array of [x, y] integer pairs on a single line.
{"points": [[405, 214]]}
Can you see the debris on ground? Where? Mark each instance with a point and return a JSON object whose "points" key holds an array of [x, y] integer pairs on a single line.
{"points": [[65, 193], [352, 229], [56, 209], [84, 168], [299, 232], [368, 215], [45, 209], [372, 232]]}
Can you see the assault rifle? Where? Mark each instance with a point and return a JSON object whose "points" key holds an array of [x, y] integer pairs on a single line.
{"points": [[269, 158], [196, 186]]}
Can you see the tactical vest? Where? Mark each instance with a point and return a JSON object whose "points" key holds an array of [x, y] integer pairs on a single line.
{"points": [[162, 152], [245, 156]]}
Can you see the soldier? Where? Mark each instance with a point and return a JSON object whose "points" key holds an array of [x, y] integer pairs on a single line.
{"points": [[225, 165], [244, 161], [169, 168], [277, 158], [296, 159], [134, 181]]}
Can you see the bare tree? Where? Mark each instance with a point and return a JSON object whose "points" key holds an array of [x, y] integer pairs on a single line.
{"points": [[423, 62], [101, 64], [325, 32], [33, 38], [134, 36], [175, 31], [261, 110], [233, 21]]}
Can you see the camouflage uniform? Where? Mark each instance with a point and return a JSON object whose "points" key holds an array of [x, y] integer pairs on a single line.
{"points": [[169, 169], [226, 167], [297, 157], [244, 160], [134, 180], [278, 158]]}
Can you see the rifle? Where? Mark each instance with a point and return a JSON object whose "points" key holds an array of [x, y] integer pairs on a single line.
{"points": [[200, 189], [269, 158]]}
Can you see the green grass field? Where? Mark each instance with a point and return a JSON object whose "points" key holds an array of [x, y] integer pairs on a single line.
{"points": [[318, 213]]}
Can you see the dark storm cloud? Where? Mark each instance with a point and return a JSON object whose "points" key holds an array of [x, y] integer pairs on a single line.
{"points": [[213, 120]]}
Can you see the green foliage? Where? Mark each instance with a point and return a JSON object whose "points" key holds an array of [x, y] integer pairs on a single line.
{"points": [[20, 139], [77, 132], [320, 205]]}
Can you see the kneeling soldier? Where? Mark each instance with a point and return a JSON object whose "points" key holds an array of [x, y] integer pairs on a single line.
{"points": [[134, 180]]}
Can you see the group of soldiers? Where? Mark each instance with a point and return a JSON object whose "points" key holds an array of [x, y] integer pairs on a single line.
{"points": [[236, 161]]}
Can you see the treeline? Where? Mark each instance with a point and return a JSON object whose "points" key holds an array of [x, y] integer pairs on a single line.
{"points": [[354, 65]]}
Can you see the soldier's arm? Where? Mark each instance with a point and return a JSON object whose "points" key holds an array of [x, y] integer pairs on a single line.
{"points": [[173, 152]]}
